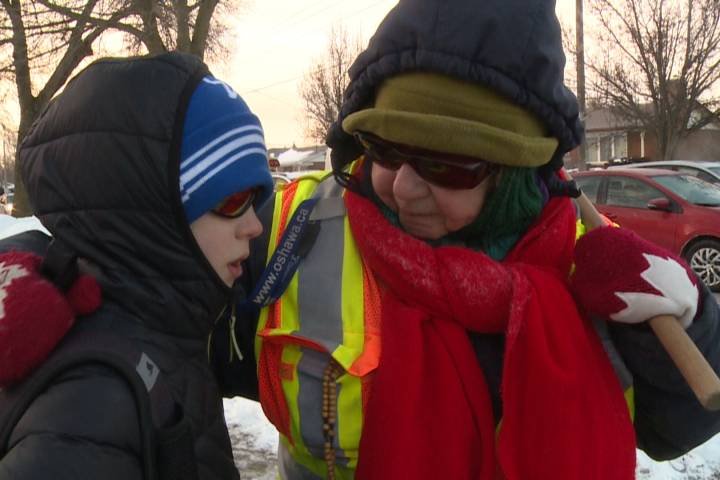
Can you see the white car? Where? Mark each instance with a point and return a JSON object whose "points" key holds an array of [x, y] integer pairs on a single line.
{"points": [[708, 171]]}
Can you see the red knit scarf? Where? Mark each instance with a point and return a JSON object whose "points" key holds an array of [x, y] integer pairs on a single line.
{"points": [[429, 414]]}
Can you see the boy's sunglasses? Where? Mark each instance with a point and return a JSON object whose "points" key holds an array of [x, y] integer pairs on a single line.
{"points": [[236, 204], [450, 171]]}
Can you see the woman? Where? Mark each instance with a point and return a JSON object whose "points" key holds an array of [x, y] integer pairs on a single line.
{"points": [[430, 331]]}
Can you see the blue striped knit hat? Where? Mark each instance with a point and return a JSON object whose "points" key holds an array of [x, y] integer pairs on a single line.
{"points": [[223, 150]]}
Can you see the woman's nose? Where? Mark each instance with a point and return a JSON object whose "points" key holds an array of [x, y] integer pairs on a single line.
{"points": [[408, 184]]}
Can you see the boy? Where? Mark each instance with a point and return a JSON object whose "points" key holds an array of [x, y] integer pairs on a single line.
{"points": [[139, 169]]}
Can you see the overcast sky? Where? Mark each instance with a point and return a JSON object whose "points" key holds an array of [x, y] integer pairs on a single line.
{"points": [[277, 40]]}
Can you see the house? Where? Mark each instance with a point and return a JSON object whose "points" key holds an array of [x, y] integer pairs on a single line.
{"points": [[610, 138]]}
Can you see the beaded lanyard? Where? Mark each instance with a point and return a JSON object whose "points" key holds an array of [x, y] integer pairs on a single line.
{"points": [[329, 413]]}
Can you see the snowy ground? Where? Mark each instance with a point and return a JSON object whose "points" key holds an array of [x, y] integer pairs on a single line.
{"points": [[10, 226], [254, 439], [255, 444]]}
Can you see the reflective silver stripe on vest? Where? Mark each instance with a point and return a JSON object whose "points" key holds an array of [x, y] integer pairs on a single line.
{"points": [[320, 313], [310, 378], [320, 273], [289, 469]]}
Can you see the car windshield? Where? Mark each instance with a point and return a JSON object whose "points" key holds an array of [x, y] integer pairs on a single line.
{"points": [[692, 189]]}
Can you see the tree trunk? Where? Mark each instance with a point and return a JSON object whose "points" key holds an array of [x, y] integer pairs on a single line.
{"points": [[182, 19], [151, 35], [202, 27], [21, 203]]}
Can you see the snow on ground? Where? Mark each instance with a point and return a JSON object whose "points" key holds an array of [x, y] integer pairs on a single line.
{"points": [[10, 226], [702, 463], [255, 444], [254, 439]]}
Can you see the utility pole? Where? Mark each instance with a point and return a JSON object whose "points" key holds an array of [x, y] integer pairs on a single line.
{"points": [[580, 65]]}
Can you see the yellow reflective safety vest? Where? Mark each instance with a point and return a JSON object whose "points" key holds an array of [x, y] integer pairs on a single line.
{"points": [[317, 346]]}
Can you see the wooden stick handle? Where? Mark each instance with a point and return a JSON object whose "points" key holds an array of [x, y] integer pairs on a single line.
{"points": [[693, 366], [698, 373]]}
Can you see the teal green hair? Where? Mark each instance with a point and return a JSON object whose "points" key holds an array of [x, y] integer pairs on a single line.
{"points": [[509, 210]]}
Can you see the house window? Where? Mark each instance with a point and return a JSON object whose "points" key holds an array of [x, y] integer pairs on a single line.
{"points": [[621, 148], [606, 148]]}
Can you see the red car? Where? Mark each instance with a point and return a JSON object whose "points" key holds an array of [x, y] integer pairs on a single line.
{"points": [[674, 210]]}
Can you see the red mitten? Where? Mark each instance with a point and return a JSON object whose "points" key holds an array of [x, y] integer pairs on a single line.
{"points": [[620, 276], [34, 314]]}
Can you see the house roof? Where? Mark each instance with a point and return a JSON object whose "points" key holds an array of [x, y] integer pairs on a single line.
{"points": [[604, 119]]}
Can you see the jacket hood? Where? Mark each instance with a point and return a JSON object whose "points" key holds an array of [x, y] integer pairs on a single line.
{"points": [[101, 169], [512, 46]]}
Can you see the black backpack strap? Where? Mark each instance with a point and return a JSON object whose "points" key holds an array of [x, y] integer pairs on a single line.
{"points": [[167, 453], [60, 265]]}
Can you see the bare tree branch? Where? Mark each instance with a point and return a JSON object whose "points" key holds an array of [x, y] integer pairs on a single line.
{"points": [[20, 53], [69, 13], [148, 11], [323, 86], [50, 38], [202, 27], [658, 64]]}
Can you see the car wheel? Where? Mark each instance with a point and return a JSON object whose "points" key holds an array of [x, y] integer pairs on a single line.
{"points": [[704, 259]]}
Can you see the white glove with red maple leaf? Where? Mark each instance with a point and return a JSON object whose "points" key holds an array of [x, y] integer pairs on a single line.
{"points": [[624, 278]]}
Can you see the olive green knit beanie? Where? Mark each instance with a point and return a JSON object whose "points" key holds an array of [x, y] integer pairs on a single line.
{"points": [[439, 113]]}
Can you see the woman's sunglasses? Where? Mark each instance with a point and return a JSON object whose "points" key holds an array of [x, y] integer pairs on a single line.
{"points": [[236, 204], [450, 171]]}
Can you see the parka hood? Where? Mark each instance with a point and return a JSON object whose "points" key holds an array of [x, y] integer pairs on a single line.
{"points": [[101, 169], [512, 46]]}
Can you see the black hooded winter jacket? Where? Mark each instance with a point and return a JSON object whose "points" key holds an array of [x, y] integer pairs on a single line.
{"points": [[102, 175]]}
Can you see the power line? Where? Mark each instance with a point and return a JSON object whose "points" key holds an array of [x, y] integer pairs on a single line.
{"points": [[366, 8], [273, 84], [282, 82], [302, 10], [258, 53], [288, 26], [284, 102], [329, 7], [264, 87]]}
